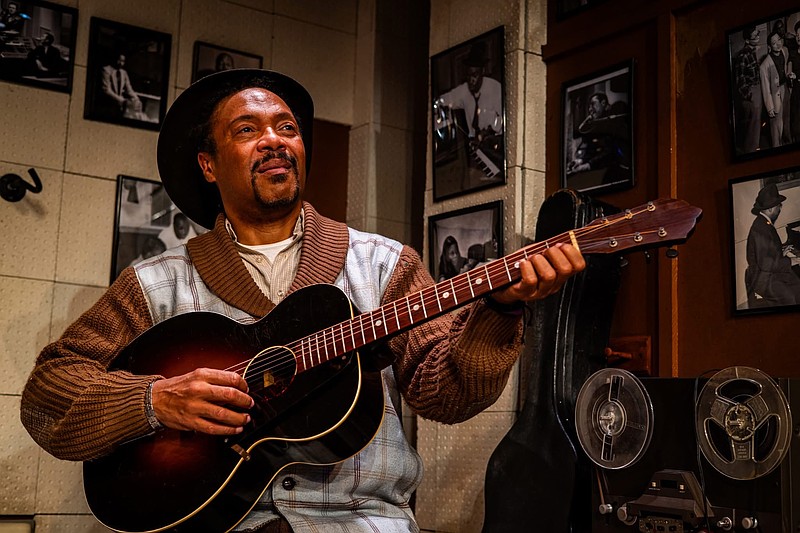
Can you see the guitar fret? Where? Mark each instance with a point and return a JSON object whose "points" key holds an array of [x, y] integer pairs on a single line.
{"points": [[408, 305], [488, 276], [469, 284], [385, 326], [361, 323], [508, 272], [453, 290], [422, 303], [325, 344], [438, 301], [396, 314]]}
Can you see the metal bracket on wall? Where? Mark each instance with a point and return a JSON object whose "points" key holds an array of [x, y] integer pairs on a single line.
{"points": [[13, 187], [630, 353]]}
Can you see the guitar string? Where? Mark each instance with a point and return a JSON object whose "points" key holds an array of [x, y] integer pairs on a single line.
{"points": [[268, 361]]}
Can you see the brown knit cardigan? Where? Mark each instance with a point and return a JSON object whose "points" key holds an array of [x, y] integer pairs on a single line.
{"points": [[448, 369]]}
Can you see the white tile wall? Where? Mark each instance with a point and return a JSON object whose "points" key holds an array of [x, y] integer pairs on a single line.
{"points": [[34, 126], [30, 226], [322, 60], [24, 329], [19, 458], [87, 216]]}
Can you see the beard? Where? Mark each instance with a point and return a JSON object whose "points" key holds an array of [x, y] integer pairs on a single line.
{"points": [[292, 173]]}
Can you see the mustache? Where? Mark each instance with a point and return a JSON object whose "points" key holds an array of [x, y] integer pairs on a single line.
{"points": [[275, 154]]}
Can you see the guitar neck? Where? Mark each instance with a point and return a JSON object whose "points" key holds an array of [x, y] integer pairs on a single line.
{"points": [[415, 309], [657, 223]]}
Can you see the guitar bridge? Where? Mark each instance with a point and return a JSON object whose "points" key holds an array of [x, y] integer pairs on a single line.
{"points": [[244, 454]]}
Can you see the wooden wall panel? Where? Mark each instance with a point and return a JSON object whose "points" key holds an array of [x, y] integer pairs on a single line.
{"points": [[682, 148]]}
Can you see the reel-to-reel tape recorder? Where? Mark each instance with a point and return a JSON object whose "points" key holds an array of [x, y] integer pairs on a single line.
{"points": [[680, 454]]}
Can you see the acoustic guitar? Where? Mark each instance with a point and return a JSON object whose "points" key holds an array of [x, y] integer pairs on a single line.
{"points": [[317, 401]]}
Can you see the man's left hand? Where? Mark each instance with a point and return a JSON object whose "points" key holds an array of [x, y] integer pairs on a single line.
{"points": [[543, 274]]}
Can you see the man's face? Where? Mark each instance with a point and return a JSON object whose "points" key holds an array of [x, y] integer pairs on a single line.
{"points": [[774, 212], [181, 226], [753, 40], [12, 8], [776, 43], [259, 164], [474, 78], [120, 60], [597, 107]]}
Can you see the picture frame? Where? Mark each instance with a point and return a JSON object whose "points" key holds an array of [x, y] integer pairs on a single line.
{"points": [[146, 223], [765, 248], [476, 232], [758, 128], [597, 153], [37, 41], [469, 141], [127, 75], [209, 58]]}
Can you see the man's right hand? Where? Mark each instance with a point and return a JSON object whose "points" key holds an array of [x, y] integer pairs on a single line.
{"points": [[205, 400]]}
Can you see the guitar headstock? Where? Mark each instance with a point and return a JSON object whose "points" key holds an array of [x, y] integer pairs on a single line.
{"points": [[662, 222]]}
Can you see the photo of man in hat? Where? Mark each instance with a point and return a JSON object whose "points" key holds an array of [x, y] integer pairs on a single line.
{"points": [[234, 153], [469, 125], [769, 278]]}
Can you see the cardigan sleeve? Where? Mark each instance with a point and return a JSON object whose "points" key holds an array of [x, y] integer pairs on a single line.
{"points": [[72, 406], [455, 366]]}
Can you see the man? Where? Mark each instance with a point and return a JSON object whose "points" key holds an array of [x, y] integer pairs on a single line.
{"points": [[121, 98], [769, 278], [46, 59], [179, 232], [481, 98], [604, 140], [775, 75], [233, 154], [747, 83], [10, 19]]}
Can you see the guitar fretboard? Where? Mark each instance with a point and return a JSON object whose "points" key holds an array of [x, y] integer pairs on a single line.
{"points": [[412, 310]]}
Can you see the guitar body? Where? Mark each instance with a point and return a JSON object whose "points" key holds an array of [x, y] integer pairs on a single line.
{"points": [[187, 482]]}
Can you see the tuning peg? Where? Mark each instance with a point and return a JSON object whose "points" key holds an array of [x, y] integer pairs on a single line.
{"points": [[672, 253]]}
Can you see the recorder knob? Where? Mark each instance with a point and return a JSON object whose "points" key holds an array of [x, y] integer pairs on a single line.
{"points": [[726, 524], [749, 522], [624, 517], [606, 508]]}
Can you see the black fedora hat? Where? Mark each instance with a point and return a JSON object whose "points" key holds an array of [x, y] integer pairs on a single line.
{"points": [[185, 129], [767, 197]]}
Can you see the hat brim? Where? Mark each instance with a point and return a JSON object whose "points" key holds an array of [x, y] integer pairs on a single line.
{"points": [[184, 127]]}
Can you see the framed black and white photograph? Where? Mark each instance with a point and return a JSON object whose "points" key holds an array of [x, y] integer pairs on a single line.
{"points": [[765, 247], [146, 224], [127, 74], [597, 131], [37, 43], [467, 91], [210, 58], [462, 240], [764, 64]]}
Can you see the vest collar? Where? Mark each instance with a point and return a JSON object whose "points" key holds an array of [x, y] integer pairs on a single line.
{"points": [[322, 257]]}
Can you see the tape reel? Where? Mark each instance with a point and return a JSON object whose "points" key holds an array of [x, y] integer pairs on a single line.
{"points": [[614, 418], [743, 423]]}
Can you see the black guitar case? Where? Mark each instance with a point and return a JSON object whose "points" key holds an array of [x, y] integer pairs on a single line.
{"points": [[538, 478]]}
